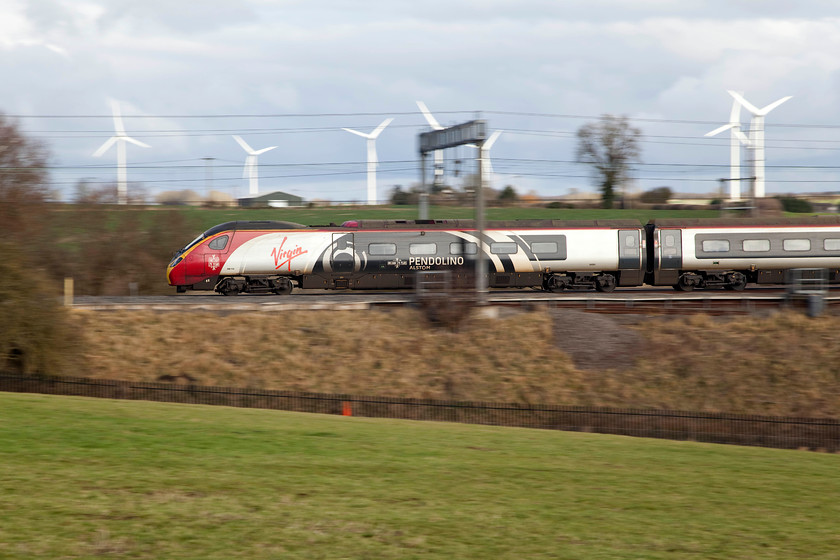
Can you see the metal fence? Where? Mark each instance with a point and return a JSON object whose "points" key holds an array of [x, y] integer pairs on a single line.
{"points": [[739, 429]]}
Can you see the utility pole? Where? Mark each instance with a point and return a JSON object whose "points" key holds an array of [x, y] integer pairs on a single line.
{"points": [[424, 189], [480, 268]]}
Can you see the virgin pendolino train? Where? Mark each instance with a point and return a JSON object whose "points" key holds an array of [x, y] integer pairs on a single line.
{"points": [[274, 257]]}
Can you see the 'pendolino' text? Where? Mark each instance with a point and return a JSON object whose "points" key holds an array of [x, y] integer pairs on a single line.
{"points": [[425, 263]]}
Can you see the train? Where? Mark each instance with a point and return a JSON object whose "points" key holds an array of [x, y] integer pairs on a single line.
{"points": [[551, 255]]}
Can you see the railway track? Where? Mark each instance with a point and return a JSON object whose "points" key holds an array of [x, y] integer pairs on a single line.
{"points": [[637, 301]]}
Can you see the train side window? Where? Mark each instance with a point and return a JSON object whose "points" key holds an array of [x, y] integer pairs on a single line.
{"points": [[831, 244], [716, 245], [382, 249], [756, 245], [219, 243], [468, 248], [796, 244], [503, 248], [544, 247], [423, 248]]}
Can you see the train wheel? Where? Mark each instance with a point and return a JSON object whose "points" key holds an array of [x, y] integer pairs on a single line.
{"points": [[685, 284], [283, 288], [605, 283], [230, 291], [554, 283]]}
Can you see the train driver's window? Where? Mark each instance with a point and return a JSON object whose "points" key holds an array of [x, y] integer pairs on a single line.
{"points": [[459, 248], [382, 249], [796, 244], [757, 245], [715, 245], [219, 243], [422, 248], [831, 244]]}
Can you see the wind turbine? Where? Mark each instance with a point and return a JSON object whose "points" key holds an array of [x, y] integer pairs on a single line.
{"points": [[372, 161], [120, 139], [737, 138], [250, 170], [757, 137]]}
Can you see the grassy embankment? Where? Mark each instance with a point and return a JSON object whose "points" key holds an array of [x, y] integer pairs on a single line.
{"points": [[783, 364], [91, 478]]}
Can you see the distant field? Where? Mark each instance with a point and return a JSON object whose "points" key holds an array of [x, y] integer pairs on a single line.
{"points": [[88, 478]]}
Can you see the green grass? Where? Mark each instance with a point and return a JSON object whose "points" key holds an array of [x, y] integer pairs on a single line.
{"points": [[87, 478]]}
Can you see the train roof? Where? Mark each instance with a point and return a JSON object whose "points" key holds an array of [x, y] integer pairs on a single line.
{"points": [[252, 224], [746, 222], [499, 224]]}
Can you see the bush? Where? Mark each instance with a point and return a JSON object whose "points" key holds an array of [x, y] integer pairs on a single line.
{"points": [[36, 336], [659, 195], [791, 204]]}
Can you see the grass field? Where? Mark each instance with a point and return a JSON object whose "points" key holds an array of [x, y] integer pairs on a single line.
{"points": [[87, 478]]}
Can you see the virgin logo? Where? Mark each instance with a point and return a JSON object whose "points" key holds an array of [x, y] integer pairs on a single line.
{"points": [[283, 257]]}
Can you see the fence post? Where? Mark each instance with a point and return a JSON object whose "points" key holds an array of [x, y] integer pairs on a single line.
{"points": [[68, 292]]}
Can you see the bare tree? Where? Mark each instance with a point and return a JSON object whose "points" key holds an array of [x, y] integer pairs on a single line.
{"points": [[609, 145], [23, 181]]}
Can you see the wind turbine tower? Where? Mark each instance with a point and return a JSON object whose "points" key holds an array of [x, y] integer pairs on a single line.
{"points": [[737, 138], [372, 161], [120, 139], [250, 170], [756, 144]]}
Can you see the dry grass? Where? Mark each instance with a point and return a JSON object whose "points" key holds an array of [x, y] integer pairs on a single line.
{"points": [[782, 364]]}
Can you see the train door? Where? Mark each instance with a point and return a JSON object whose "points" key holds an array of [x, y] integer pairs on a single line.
{"points": [[342, 258], [669, 252], [630, 257]]}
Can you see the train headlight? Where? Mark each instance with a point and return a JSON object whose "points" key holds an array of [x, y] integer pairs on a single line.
{"points": [[175, 261]]}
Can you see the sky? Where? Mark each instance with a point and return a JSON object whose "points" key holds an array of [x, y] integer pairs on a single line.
{"points": [[292, 73]]}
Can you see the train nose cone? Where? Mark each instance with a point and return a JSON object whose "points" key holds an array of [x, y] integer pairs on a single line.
{"points": [[175, 272]]}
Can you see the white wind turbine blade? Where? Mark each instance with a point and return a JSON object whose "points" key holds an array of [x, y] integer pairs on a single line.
{"points": [[244, 144], [356, 132], [380, 128], [744, 103], [740, 136], [768, 108], [723, 128], [264, 150], [735, 113], [118, 122], [106, 146], [492, 140], [135, 142], [755, 110], [429, 117]]}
